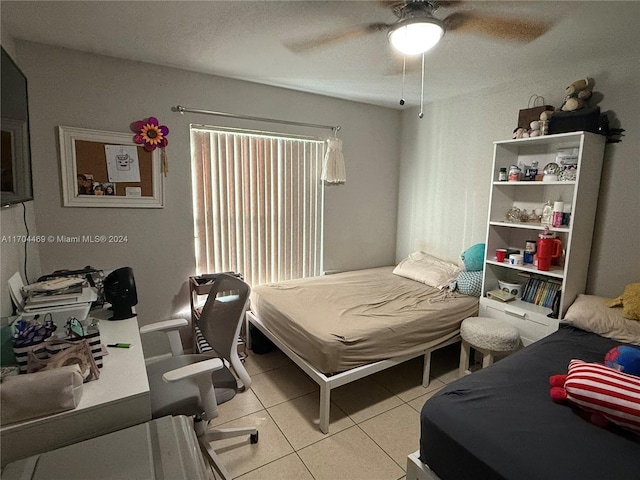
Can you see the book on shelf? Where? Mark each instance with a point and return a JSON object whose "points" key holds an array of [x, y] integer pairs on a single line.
{"points": [[540, 291]]}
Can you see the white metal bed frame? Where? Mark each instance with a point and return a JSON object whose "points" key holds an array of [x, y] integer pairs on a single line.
{"points": [[416, 470], [329, 382]]}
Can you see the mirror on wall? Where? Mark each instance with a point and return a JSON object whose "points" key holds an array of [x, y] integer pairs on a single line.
{"points": [[14, 125]]}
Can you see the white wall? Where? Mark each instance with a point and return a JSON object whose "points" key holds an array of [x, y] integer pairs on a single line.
{"points": [[446, 164], [70, 88], [15, 221]]}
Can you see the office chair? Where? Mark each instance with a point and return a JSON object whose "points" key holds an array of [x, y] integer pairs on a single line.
{"points": [[194, 385]]}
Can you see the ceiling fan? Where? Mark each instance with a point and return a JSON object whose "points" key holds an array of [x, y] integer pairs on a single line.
{"points": [[417, 29]]}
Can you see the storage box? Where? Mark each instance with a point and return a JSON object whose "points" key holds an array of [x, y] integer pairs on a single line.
{"points": [[585, 120]]}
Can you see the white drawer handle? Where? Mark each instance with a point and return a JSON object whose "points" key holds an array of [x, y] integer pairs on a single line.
{"points": [[516, 312]]}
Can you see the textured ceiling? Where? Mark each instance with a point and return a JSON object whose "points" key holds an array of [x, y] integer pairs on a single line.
{"points": [[247, 40]]}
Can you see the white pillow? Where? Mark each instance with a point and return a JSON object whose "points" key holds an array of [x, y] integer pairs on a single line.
{"points": [[591, 313], [427, 269]]}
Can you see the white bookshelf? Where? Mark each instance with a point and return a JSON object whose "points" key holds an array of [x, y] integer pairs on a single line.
{"points": [[532, 320]]}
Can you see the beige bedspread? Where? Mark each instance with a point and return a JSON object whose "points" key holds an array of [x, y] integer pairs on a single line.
{"points": [[337, 322]]}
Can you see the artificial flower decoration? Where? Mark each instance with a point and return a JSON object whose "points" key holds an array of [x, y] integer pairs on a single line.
{"points": [[150, 134]]}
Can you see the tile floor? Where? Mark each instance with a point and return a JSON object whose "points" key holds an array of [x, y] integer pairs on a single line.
{"points": [[374, 421]]}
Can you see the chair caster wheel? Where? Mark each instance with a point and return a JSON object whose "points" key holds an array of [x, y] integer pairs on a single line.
{"points": [[254, 437]]}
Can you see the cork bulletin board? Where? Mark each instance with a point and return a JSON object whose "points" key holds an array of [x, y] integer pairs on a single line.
{"points": [[107, 169]]}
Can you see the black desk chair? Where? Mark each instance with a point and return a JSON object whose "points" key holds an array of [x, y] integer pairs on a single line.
{"points": [[196, 384]]}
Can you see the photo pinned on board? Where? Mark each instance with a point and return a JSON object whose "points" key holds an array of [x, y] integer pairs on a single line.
{"points": [[109, 188], [85, 184]]}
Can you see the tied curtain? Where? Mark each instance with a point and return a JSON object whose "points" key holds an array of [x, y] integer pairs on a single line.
{"points": [[258, 204]]}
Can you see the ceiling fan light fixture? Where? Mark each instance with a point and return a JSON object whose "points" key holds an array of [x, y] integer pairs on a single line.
{"points": [[416, 35]]}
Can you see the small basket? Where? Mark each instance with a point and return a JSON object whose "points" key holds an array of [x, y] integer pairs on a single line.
{"points": [[512, 288]]}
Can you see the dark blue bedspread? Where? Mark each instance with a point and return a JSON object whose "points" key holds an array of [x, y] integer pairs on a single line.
{"points": [[499, 423]]}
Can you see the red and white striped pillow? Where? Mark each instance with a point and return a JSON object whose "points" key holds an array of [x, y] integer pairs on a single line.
{"points": [[614, 395]]}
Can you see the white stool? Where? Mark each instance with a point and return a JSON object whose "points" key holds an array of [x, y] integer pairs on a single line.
{"points": [[488, 336]]}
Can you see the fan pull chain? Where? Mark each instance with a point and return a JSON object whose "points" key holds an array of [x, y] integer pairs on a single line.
{"points": [[404, 64], [421, 114]]}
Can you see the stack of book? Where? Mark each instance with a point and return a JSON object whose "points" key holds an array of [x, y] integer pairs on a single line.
{"points": [[540, 291]]}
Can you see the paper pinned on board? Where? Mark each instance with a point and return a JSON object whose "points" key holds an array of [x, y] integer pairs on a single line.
{"points": [[122, 163]]}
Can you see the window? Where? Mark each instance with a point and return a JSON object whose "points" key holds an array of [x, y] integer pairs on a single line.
{"points": [[258, 204]]}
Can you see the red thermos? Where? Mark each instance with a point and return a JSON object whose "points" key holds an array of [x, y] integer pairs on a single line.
{"points": [[549, 248]]}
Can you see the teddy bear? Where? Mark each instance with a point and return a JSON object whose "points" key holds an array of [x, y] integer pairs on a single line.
{"points": [[629, 301], [576, 94], [544, 121], [603, 395], [534, 130]]}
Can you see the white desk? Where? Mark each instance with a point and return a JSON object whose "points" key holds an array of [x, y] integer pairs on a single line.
{"points": [[118, 399]]}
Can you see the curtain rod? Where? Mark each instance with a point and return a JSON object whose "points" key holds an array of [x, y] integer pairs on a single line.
{"points": [[182, 110]]}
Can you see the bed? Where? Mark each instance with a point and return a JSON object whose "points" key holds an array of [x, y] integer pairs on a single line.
{"points": [[343, 327], [500, 423]]}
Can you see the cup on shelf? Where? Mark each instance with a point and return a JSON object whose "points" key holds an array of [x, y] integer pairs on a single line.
{"points": [[516, 259], [501, 254], [544, 264]]}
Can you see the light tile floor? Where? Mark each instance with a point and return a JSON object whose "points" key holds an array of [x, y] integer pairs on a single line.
{"points": [[374, 424]]}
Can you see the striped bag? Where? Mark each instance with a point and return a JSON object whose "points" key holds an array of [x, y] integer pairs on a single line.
{"points": [[599, 389]]}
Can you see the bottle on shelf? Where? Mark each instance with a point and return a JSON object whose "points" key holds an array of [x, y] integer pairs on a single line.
{"points": [[514, 173], [566, 214], [558, 208], [531, 171], [547, 214]]}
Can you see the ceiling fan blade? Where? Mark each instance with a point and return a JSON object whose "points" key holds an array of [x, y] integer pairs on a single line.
{"points": [[500, 27], [391, 4], [311, 43]]}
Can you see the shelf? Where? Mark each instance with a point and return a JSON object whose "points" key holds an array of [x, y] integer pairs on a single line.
{"points": [[529, 226], [573, 137], [531, 183], [556, 271]]}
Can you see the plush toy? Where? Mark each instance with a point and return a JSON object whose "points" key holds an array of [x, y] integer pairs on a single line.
{"points": [[469, 281], [544, 121], [520, 133], [576, 94], [603, 395], [473, 258], [629, 301], [535, 128], [624, 358]]}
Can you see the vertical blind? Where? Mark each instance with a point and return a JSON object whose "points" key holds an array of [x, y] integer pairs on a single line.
{"points": [[258, 204]]}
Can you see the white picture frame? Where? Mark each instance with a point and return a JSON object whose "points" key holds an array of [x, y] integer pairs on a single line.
{"points": [[69, 169]]}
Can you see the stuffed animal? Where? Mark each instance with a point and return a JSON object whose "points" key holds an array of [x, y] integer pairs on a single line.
{"points": [[576, 94], [624, 358], [469, 281], [629, 301], [473, 258], [544, 121], [535, 130], [519, 133], [603, 395]]}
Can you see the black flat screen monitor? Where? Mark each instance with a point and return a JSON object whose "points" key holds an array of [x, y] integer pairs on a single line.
{"points": [[14, 126]]}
